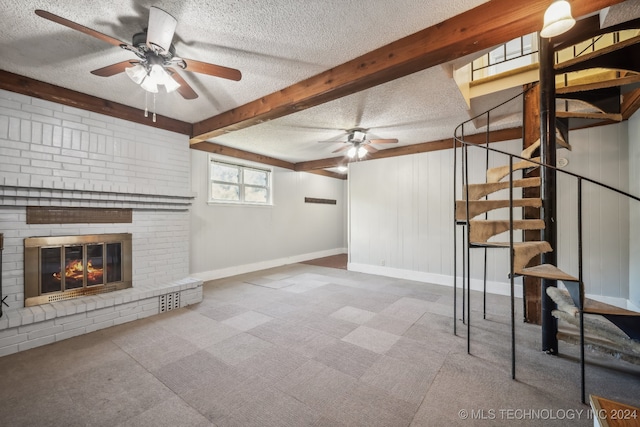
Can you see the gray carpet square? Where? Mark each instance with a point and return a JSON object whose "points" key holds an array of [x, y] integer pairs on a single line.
{"points": [[171, 412], [409, 309], [353, 314], [403, 380], [247, 320], [271, 407], [238, 348], [273, 363], [388, 324], [372, 339], [348, 358]]}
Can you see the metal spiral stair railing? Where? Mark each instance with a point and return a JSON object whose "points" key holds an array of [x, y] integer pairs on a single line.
{"points": [[627, 321]]}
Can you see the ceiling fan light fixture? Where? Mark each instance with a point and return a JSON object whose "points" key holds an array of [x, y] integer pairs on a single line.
{"points": [[352, 152], [358, 136], [342, 169], [362, 152], [557, 19], [149, 85], [137, 73], [170, 84], [162, 26]]}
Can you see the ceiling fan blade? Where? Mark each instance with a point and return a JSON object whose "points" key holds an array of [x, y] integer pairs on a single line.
{"points": [[62, 21], [344, 147], [114, 69], [369, 148], [383, 141], [211, 69], [185, 90], [160, 31]]}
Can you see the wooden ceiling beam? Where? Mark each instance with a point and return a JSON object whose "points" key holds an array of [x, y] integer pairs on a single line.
{"points": [[424, 147], [37, 89], [241, 154], [490, 24]]}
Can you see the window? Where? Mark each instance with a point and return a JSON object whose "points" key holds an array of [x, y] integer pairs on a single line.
{"points": [[235, 183]]}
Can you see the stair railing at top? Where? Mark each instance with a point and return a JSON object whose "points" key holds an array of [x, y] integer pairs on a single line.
{"points": [[458, 141]]}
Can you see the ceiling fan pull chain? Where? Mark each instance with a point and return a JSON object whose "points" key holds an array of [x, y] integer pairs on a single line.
{"points": [[154, 108], [146, 103]]}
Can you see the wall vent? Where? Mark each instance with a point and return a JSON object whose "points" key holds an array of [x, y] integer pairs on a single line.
{"points": [[169, 301]]}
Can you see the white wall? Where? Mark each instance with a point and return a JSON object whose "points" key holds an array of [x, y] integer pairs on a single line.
{"points": [[634, 188], [401, 212], [230, 239], [599, 153]]}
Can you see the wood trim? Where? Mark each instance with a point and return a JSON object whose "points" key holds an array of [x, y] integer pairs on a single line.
{"points": [[442, 144], [37, 89], [320, 201], [461, 35], [630, 104], [223, 150], [67, 215]]}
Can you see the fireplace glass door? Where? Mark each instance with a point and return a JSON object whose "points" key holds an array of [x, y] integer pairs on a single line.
{"points": [[59, 268]]}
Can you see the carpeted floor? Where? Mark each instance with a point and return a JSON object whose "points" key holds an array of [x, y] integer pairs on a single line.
{"points": [[304, 345]]}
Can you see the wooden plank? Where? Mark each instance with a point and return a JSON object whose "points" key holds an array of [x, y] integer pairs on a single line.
{"points": [[320, 201], [67, 215], [630, 103], [37, 89], [330, 174], [609, 413], [424, 147], [595, 116], [223, 150], [531, 285], [598, 84], [490, 24], [574, 64]]}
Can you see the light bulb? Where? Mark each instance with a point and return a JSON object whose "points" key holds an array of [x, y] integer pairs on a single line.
{"points": [[352, 152], [342, 169], [170, 84], [362, 152], [557, 19], [137, 73], [149, 85]]}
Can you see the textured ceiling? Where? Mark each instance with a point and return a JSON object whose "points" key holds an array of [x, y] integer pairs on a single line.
{"points": [[275, 43]]}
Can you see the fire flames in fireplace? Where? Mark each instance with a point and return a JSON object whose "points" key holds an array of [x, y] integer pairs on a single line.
{"points": [[74, 270]]}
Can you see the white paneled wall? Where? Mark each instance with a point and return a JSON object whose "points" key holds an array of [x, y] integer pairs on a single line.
{"points": [[601, 154], [634, 188], [231, 239], [401, 215]]}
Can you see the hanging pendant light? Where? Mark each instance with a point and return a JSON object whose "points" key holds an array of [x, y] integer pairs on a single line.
{"points": [[557, 19]]}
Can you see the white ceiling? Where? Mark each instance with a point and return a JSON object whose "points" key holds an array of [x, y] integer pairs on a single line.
{"points": [[275, 43]]}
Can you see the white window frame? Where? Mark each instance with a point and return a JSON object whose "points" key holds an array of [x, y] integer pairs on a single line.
{"points": [[241, 168]]}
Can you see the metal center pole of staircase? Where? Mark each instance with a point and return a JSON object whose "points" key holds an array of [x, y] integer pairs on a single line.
{"points": [[548, 191]]}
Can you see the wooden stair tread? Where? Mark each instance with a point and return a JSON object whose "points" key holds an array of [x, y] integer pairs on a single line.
{"points": [[621, 81], [595, 116], [477, 191], [496, 174], [597, 307], [477, 207], [584, 58], [547, 271], [480, 230]]}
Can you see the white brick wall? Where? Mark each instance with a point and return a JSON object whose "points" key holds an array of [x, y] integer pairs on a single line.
{"points": [[54, 155]]}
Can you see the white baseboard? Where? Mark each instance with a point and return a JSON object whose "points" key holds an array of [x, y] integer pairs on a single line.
{"points": [[264, 265], [498, 288]]}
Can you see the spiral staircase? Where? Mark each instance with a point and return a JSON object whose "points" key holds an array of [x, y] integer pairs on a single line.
{"points": [[580, 100]]}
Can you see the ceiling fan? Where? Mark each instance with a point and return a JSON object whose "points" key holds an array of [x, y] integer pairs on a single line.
{"points": [[156, 55], [358, 144]]}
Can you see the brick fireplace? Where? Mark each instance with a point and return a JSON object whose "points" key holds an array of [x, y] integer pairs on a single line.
{"points": [[62, 158]]}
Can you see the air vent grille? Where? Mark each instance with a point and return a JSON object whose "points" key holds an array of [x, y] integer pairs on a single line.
{"points": [[169, 301]]}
